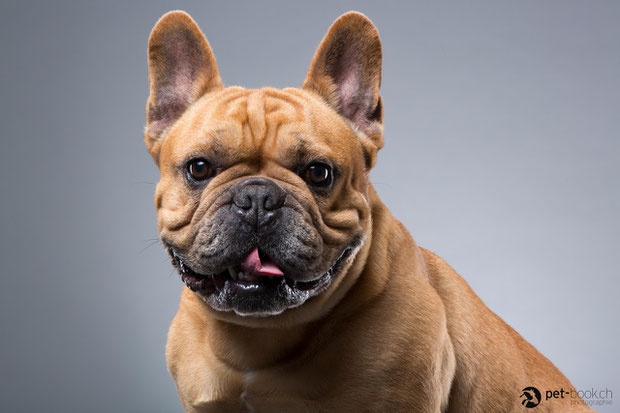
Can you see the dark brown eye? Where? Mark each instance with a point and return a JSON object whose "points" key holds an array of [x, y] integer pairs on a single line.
{"points": [[319, 174], [199, 170]]}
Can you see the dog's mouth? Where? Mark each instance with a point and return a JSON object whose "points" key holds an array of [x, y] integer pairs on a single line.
{"points": [[256, 286], [255, 273]]}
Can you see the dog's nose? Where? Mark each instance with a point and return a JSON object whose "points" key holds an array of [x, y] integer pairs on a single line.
{"points": [[257, 199]]}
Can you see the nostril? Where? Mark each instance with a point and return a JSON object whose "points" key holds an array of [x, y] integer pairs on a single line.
{"points": [[273, 202], [243, 201]]}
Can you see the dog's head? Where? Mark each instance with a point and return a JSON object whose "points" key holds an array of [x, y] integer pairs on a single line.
{"points": [[263, 197]]}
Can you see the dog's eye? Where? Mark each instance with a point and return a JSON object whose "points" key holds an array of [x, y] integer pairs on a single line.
{"points": [[200, 169], [318, 174]]}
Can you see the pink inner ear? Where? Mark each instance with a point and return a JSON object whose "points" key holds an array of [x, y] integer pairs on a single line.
{"points": [[355, 97], [181, 58], [348, 89]]}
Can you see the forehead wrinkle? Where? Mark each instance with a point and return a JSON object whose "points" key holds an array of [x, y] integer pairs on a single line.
{"points": [[241, 114], [256, 121], [294, 103], [234, 97], [282, 111]]}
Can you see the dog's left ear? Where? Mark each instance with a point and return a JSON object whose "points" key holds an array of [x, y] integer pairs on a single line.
{"points": [[182, 68], [346, 72]]}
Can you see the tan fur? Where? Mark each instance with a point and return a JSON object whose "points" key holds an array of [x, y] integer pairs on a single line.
{"points": [[397, 331]]}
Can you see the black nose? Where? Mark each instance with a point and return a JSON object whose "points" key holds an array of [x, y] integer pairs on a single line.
{"points": [[257, 200]]}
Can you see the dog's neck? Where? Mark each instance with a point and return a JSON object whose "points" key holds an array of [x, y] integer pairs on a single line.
{"points": [[252, 348]]}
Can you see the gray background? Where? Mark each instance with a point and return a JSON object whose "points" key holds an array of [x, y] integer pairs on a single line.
{"points": [[501, 155]]}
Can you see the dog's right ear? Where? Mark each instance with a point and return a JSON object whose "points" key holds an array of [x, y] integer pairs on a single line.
{"points": [[182, 68]]}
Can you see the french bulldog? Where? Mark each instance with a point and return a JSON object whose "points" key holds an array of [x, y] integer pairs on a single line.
{"points": [[304, 294]]}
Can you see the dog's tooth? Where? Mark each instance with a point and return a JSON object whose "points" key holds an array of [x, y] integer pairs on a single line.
{"points": [[241, 275], [232, 273]]}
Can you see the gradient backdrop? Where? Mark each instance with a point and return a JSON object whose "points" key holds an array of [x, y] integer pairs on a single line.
{"points": [[501, 155]]}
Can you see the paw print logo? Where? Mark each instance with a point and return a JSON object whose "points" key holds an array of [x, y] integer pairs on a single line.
{"points": [[530, 397]]}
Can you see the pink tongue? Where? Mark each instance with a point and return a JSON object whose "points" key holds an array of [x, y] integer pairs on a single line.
{"points": [[252, 264]]}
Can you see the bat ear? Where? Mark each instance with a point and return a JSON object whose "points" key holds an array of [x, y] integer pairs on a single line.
{"points": [[346, 72], [182, 68]]}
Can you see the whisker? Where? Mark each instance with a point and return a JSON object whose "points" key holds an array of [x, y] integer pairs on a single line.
{"points": [[387, 184], [152, 242]]}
